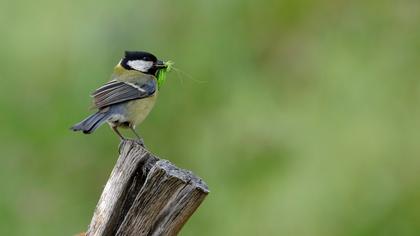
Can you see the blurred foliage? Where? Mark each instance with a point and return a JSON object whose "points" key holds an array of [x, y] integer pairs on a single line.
{"points": [[302, 116]]}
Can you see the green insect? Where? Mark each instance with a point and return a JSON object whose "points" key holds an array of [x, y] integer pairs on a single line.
{"points": [[161, 76]]}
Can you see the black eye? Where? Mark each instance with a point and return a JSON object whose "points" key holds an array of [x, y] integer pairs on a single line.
{"points": [[145, 58]]}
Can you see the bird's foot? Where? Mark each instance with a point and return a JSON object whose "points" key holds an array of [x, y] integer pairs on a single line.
{"points": [[121, 144], [140, 141]]}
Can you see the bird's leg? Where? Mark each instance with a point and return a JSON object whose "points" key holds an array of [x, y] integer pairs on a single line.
{"points": [[115, 129], [139, 139]]}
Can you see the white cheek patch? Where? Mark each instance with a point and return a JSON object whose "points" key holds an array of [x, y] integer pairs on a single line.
{"points": [[140, 65]]}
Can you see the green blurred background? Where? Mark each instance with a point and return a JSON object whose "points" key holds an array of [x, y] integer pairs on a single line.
{"points": [[302, 116]]}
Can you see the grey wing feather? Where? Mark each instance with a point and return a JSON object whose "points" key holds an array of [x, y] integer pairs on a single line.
{"points": [[116, 92], [105, 87]]}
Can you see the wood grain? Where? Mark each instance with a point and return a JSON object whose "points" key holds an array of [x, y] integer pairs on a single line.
{"points": [[146, 196]]}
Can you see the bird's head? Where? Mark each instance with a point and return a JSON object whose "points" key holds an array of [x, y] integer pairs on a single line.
{"points": [[141, 61]]}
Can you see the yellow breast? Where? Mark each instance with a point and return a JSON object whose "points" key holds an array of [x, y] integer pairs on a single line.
{"points": [[140, 108]]}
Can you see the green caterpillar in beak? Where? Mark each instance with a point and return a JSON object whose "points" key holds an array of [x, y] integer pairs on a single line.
{"points": [[161, 75]]}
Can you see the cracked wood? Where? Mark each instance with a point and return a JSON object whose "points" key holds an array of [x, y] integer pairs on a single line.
{"points": [[146, 196]]}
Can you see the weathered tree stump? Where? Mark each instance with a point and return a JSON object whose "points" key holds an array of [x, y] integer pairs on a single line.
{"points": [[146, 196]]}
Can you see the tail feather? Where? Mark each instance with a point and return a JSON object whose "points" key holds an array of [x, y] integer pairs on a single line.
{"points": [[92, 122]]}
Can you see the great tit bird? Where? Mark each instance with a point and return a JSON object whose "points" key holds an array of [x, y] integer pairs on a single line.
{"points": [[127, 99]]}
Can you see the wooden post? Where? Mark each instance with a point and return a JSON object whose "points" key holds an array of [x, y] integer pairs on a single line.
{"points": [[146, 196]]}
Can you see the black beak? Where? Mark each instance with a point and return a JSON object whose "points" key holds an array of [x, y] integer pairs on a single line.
{"points": [[160, 64]]}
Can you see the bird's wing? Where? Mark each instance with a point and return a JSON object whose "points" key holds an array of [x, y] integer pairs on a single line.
{"points": [[115, 92]]}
